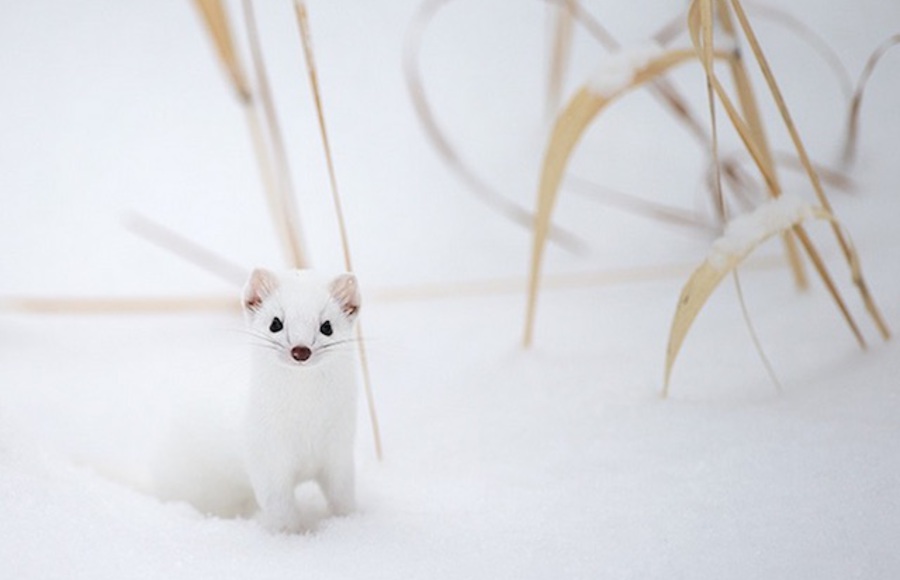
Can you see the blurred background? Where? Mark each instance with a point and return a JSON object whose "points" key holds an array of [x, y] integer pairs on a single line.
{"points": [[529, 460]]}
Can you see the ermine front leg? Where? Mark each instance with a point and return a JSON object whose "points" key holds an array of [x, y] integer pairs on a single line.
{"points": [[279, 506], [338, 484]]}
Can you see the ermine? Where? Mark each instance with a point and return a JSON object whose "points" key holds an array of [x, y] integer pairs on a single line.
{"points": [[300, 418]]}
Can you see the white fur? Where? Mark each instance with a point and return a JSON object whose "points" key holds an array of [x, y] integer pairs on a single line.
{"points": [[301, 416], [200, 462]]}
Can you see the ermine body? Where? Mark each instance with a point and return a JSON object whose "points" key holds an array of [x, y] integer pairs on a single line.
{"points": [[301, 409]]}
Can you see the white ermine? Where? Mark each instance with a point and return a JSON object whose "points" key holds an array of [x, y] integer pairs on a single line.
{"points": [[301, 409]]}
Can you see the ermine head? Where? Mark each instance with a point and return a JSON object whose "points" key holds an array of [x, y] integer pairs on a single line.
{"points": [[299, 315]]}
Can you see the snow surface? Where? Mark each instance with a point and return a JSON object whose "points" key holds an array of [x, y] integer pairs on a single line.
{"points": [[556, 462]]}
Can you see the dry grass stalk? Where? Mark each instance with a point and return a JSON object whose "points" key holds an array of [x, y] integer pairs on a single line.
{"points": [[567, 131], [187, 249], [588, 102], [132, 305], [706, 57], [834, 178], [454, 161], [707, 277], [751, 114], [306, 38], [266, 166], [856, 102], [696, 24], [814, 179], [287, 208], [216, 20], [571, 281]]}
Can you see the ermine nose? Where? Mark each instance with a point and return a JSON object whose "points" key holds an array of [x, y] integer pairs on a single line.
{"points": [[300, 353]]}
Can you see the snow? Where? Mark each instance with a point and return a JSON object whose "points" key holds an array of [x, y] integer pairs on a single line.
{"points": [[616, 70], [747, 231], [561, 461]]}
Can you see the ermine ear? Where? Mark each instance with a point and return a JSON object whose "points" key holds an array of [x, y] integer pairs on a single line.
{"points": [[345, 290], [262, 282]]}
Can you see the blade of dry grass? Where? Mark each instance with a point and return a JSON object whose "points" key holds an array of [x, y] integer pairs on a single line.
{"points": [[850, 142], [662, 89], [448, 153], [570, 125], [710, 273], [287, 207], [309, 56]]}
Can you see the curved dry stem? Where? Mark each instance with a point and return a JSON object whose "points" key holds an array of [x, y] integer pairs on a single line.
{"points": [[834, 178], [754, 336], [473, 182], [811, 38], [639, 206], [850, 143]]}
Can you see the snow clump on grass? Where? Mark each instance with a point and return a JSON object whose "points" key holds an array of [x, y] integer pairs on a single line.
{"points": [[745, 232]]}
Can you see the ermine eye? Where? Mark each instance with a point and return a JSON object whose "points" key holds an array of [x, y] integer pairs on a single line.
{"points": [[326, 328], [276, 325]]}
